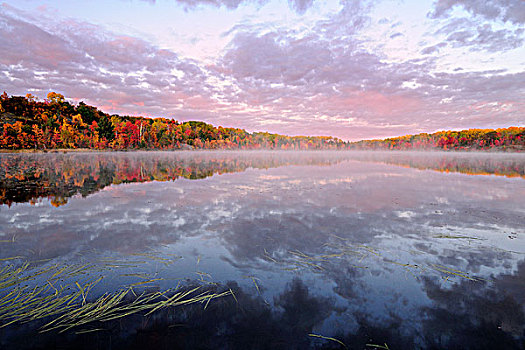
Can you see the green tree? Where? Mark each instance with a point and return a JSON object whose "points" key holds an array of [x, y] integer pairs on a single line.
{"points": [[105, 128], [88, 113]]}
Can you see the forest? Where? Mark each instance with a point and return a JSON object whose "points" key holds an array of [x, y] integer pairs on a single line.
{"points": [[55, 123], [510, 139]]}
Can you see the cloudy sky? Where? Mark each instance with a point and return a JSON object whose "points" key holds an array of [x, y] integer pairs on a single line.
{"points": [[354, 69]]}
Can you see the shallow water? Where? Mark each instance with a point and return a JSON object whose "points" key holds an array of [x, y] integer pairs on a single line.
{"points": [[411, 250]]}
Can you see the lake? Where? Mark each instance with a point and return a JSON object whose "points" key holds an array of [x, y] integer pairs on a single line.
{"points": [[262, 250]]}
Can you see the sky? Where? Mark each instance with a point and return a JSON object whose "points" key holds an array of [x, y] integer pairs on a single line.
{"points": [[355, 69]]}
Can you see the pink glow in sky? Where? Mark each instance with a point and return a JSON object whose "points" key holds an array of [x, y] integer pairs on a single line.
{"points": [[354, 69]]}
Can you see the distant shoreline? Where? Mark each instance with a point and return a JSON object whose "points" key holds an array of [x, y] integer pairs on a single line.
{"points": [[58, 150], [132, 150]]}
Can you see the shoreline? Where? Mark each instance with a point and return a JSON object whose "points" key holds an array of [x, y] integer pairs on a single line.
{"points": [[58, 150], [88, 150]]}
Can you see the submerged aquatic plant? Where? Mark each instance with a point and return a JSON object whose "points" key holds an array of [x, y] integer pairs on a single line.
{"points": [[68, 305]]}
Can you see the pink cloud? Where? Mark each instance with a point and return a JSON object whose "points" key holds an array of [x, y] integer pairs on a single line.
{"points": [[372, 101], [323, 83]]}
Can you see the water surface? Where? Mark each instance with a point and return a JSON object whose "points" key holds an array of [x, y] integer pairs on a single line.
{"points": [[415, 250]]}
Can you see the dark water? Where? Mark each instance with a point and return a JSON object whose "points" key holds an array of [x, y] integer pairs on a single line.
{"points": [[399, 250]]}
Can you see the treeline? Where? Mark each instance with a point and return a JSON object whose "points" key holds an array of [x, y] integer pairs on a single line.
{"points": [[26, 123], [509, 139]]}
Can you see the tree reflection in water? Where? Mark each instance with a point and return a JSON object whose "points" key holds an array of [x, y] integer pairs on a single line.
{"points": [[26, 177]]}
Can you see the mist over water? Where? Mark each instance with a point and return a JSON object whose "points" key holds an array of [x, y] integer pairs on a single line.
{"points": [[416, 250]]}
